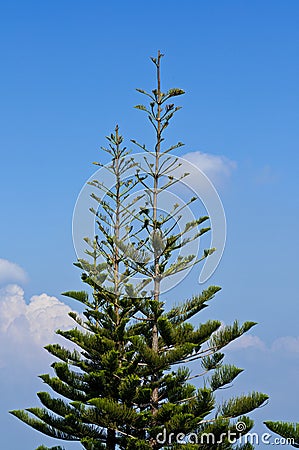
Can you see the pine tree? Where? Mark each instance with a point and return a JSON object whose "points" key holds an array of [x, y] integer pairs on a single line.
{"points": [[97, 370], [131, 387]]}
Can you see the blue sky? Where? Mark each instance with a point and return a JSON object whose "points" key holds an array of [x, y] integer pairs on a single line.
{"points": [[69, 70]]}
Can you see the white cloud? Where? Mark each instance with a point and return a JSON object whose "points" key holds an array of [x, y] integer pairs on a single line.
{"points": [[11, 272], [283, 344], [45, 314], [40, 317], [286, 344], [216, 168], [12, 305], [26, 328], [246, 341]]}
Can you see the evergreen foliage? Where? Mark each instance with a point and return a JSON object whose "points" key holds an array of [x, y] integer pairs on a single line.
{"points": [[127, 381], [288, 431]]}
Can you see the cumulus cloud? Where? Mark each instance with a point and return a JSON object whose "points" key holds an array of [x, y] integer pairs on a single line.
{"points": [[216, 168], [11, 272], [28, 327], [40, 317]]}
